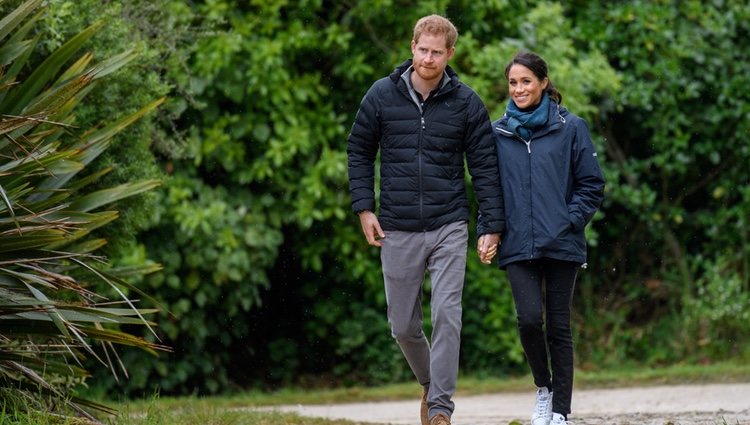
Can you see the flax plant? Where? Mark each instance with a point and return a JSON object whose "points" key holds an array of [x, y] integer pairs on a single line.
{"points": [[51, 318]]}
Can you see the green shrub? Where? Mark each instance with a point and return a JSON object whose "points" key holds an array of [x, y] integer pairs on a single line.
{"points": [[51, 317]]}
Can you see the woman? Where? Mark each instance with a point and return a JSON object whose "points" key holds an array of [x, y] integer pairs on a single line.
{"points": [[552, 187]]}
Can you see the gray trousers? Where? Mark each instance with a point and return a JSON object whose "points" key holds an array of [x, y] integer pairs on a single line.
{"points": [[405, 257]]}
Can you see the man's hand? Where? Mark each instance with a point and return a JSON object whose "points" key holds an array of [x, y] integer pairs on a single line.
{"points": [[487, 247], [371, 228]]}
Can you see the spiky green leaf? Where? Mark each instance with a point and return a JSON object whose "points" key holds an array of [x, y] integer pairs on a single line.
{"points": [[103, 197], [14, 18], [46, 72]]}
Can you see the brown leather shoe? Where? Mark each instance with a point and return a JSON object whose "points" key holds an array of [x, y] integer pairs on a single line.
{"points": [[440, 419], [423, 410]]}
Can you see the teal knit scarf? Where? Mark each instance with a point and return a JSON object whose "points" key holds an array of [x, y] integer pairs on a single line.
{"points": [[524, 123]]}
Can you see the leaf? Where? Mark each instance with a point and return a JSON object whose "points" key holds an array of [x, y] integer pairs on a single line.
{"points": [[13, 19], [46, 71], [123, 338], [112, 64], [8, 205], [91, 315], [52, 313], [91, 178], [87, 246], [107, 196], [97, 220], [16, 67], [51, 101], [12, 51], [31, 240], [78, 68]]}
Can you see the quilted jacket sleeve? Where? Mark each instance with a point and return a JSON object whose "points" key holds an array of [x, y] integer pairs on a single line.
{"points": [[481, 157], [362, 148]]}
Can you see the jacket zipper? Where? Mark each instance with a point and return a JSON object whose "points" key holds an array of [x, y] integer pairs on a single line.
{"points": [[420, 108], [517, 137], [419, 164], [530, 254], [422, 128], [531, 207]]}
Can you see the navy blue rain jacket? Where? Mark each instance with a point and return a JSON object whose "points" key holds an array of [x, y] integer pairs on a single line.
{"points": [[552, 186]]}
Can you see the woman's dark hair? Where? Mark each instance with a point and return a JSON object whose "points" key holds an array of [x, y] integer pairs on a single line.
{"points": [[538, 66]]}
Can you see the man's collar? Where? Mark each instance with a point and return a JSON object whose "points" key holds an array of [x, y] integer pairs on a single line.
{"points": [[406, 76]]}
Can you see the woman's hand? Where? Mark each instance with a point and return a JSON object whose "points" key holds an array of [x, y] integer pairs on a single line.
{"points": [[487, 247]]}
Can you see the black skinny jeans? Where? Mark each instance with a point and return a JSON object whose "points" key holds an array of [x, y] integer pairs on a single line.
{"points": [[544, 287]]}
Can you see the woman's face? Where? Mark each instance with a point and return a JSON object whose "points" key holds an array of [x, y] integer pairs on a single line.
{"points": [[524, 87]]}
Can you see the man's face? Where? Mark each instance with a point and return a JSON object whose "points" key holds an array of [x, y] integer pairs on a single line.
{"points": [[430, 56]]}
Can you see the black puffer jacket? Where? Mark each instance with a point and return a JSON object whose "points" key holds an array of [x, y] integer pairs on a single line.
{"points": [[422, 156]]}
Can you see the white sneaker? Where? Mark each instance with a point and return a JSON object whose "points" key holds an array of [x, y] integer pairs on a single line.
{"points": [[558, 419], [543, 409]]}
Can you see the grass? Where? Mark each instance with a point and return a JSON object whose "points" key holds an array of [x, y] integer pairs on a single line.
{"points": [[205, 413], [200, 415], [675, 374], [38, 418]]}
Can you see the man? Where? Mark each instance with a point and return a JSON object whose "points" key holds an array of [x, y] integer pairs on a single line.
{"points": [[425, 121]]}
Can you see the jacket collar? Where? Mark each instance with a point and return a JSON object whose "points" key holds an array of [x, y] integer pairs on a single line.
{"points": [[449, 75]]}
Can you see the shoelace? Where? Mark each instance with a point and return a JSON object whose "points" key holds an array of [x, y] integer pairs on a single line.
{"points": [[541, 404]]}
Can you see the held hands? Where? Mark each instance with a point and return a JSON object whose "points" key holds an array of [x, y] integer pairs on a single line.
{"points": [[487, 247], [371, 228]]}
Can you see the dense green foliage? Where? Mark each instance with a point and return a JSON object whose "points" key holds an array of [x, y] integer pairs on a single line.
{"points": [[266, 274], [675, 275]]}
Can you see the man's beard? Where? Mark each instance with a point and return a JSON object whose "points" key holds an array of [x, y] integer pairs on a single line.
{"points": [[427, 73]]}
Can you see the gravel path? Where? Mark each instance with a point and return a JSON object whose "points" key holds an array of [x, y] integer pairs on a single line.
{"points": [[709, 404]]}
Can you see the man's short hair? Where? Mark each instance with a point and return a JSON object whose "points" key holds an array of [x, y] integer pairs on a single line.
{"points": [[436, 25]]}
